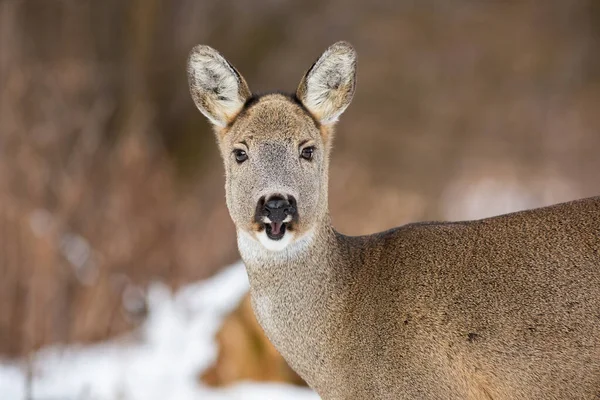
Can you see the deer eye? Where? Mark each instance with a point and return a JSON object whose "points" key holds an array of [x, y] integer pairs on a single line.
{"points": [[240, 155], [307, 153]]}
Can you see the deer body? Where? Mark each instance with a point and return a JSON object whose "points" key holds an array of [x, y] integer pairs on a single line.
{"points": [[502, 308], [443, 310]]}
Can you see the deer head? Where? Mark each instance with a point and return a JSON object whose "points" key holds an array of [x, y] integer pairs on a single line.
{"points": [[275, 147]]}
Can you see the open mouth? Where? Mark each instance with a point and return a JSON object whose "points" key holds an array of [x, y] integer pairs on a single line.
{"points": [[276, 230]]}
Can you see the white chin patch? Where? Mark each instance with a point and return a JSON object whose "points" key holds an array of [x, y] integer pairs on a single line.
{"points": [[275, 245]]}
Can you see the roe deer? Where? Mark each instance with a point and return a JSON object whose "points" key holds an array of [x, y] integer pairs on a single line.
{"points": [[500, 308]]}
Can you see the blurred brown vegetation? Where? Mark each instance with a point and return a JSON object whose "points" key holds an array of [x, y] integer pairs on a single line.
{"points": [[246, 354], [109, 178]]}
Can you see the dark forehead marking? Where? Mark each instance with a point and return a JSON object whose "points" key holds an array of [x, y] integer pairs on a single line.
{"points": [[254, 99]]}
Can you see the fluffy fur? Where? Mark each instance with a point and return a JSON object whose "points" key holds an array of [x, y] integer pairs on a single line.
{"points": [[327, 88], [217, 88]]}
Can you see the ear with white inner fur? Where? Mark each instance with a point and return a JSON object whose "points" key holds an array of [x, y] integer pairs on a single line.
{"points": [[218, 90], [327, 88]]}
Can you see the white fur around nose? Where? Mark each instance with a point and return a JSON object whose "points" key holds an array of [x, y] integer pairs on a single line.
{"points": [[275, 245], [258, 247]]}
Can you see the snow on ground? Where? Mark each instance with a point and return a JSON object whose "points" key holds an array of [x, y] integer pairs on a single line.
{"points": [[175, 345]]}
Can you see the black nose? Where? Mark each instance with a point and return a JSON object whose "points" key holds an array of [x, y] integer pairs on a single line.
{"points": [[278, 208]]}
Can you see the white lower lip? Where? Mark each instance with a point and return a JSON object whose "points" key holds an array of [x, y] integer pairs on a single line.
{"points": [[275, 245], [257, 247]]}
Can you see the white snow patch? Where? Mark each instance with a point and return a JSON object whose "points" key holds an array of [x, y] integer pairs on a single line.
{"points": [[177, 344]]}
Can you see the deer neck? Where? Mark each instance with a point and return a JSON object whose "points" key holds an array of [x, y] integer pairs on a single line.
{"points": [[295, 294]]}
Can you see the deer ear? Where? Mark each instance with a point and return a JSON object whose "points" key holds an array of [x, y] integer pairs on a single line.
{"points": [[218, 89], [328, 86]]}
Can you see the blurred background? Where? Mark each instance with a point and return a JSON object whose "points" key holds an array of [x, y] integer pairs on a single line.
{"points": [[111, 187]]}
